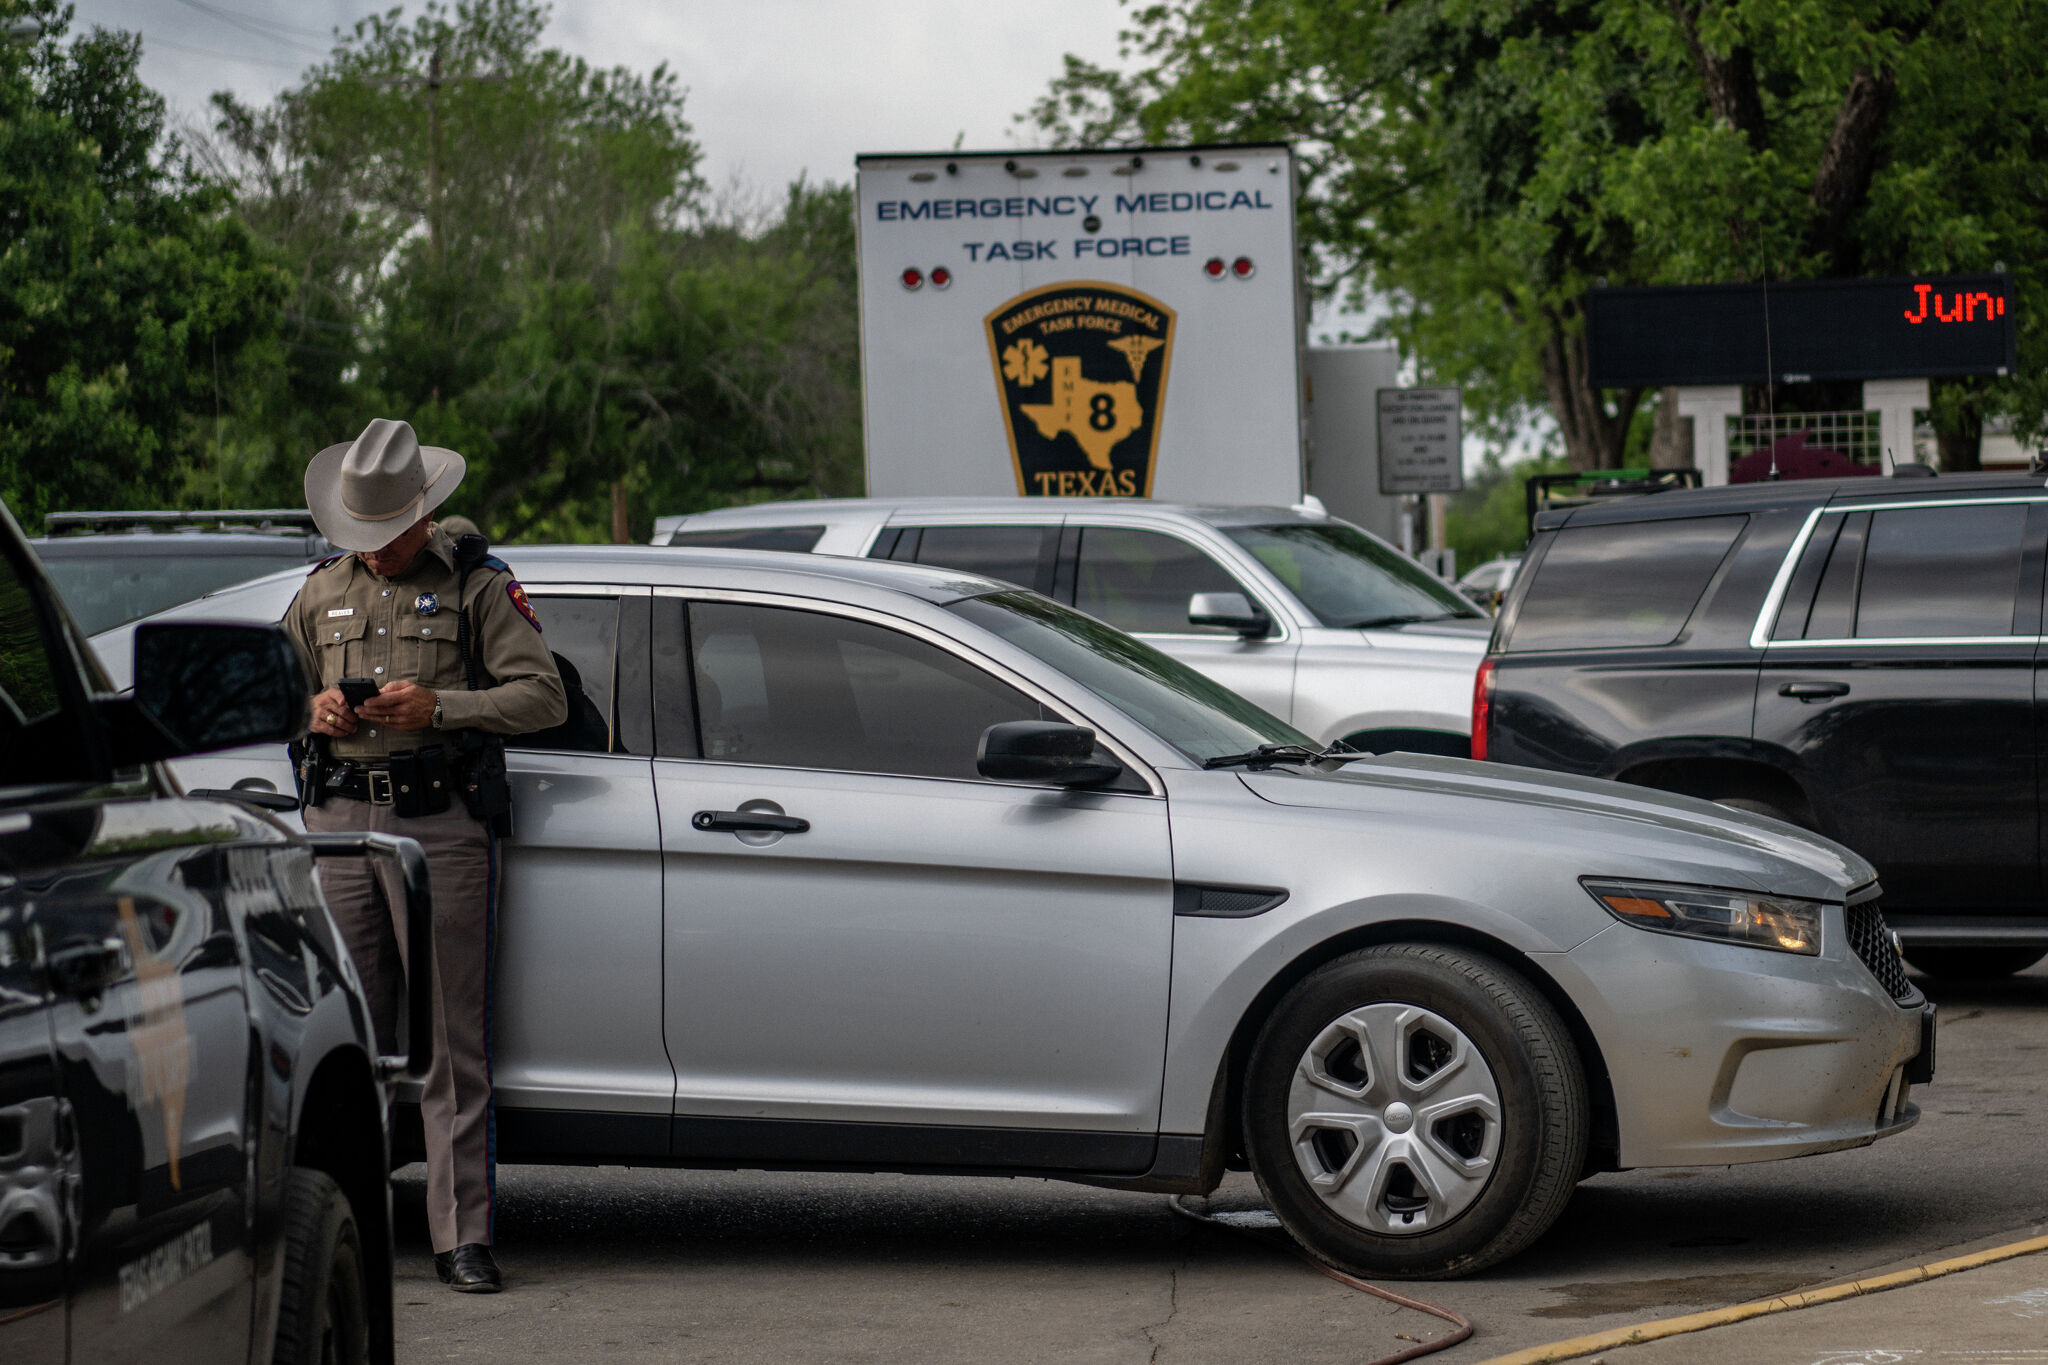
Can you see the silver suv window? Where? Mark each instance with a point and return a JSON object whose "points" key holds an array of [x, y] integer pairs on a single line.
{"points": [[1140, 581], [1202, 719], [1346, 578]]}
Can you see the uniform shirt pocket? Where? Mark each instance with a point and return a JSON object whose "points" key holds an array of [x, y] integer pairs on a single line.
{"points": [[341, 648], [427, 650]]}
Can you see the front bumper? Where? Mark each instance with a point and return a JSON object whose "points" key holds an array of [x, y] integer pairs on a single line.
{"points": [[1719, 1054]]}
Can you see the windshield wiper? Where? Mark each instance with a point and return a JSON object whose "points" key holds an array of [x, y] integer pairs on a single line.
{"points": [[1266, 755], [1370, 622]]}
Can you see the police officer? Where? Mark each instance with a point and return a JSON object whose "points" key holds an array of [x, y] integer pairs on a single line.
{"points": [[392, 613]]}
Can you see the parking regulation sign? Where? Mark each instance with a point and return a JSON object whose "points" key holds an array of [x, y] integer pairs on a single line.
{"points": [[1422, 438]]}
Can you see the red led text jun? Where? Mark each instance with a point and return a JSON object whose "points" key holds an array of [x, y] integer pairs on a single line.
{"points": [[1957, 307]]}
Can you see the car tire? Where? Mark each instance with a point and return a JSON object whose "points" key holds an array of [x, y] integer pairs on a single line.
{"points": [[323, 1315], [1465, 1156], [1972, 964]]}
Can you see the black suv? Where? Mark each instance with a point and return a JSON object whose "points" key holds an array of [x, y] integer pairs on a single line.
{"points": [[1857, 656], [115, 567], [192, 1142]]}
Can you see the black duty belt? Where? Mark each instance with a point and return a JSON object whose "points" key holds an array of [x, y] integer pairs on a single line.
{"points": [[371, 781]]}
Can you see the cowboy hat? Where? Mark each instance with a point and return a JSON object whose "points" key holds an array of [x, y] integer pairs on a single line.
{"points": [[368, 492]]}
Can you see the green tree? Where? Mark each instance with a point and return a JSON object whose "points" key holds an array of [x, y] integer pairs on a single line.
{"points": [[512, 250], [1481, 163], [133, 302]]}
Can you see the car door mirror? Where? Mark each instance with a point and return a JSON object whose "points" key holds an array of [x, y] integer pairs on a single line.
{"points": [[1043, 751], [201, 686], [1230, 610]]}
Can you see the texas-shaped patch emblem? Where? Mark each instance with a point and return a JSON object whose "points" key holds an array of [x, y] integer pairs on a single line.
{"points": [[518, 596]]}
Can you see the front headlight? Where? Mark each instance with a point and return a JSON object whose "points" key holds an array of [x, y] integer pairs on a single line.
{"points": [[1776, 922]]}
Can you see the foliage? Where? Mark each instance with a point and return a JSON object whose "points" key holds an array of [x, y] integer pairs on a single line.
{"points": [[1481, 163], [1490, 517], [132, 301], [510, 249]]}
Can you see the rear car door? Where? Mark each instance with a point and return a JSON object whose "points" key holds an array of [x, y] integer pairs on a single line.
{"points": [[936, 969], [578, 996], [1898, 686], [1139, 580]]}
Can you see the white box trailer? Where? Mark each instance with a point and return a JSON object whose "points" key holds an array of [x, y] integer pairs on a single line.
{"points": [[1083, 324]]}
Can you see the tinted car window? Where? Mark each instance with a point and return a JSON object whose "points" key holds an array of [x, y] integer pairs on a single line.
{"points": [[795, 539], [1014, 554], [1140, 581], [1614, 586], [798, 689], [1347, 578], [1940, 571], [104, 591], [583, 633], [35, 743]]}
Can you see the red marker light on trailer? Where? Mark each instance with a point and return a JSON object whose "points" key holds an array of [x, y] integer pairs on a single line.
{"points": [[1242, 267], [912, 277], [941, 277], [1214, 267]]}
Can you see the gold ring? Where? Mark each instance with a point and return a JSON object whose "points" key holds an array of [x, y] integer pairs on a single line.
{"points": [[330, 718]]}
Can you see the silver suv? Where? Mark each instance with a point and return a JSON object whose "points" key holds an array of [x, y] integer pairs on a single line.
{"points": [[879, 867], [1325, 625]]}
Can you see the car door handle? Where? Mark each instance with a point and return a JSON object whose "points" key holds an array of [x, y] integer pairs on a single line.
{"points": [[747, 822], [1814, 691]]}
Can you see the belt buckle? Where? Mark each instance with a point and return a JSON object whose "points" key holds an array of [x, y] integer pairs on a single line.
{"points": [[379, 777]]}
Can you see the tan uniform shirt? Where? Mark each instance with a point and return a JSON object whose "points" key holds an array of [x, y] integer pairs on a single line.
{"points": [[349, 623]]}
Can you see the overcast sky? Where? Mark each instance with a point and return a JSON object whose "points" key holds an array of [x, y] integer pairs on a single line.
{"points": [[776, 87]]}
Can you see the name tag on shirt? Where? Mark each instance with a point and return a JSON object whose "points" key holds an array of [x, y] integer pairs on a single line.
{"points": [[341, 611]]}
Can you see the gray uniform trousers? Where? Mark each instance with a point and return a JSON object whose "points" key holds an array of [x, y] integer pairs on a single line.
{"points": [[455, 1105]]}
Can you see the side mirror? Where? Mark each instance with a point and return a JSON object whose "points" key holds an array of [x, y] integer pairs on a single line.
{"points": [[1043, 751], [201, 686], [1230, 610]]}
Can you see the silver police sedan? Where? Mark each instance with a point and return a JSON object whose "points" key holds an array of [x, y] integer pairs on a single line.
{"points": [[863, 865]]}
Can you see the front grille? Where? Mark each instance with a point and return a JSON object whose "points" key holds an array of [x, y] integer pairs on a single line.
{"points": [[1873, 943]]}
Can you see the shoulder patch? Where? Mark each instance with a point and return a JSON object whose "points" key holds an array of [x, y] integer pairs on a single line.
{"points": [[325, 562], [518, 596]]}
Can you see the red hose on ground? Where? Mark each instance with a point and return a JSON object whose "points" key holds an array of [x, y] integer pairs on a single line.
{"points": [[1458, 1321]]}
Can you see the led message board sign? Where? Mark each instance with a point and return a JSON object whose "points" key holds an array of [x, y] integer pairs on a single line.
{"points": [[1907, 328]]}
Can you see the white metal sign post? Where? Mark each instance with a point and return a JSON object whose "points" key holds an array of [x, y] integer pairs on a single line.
{"points": [[1421, 441]]}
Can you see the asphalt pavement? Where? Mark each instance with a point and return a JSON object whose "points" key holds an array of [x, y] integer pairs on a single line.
{"points": [[742, 1266]]}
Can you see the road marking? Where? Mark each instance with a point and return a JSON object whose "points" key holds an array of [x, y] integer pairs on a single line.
{"points": [[1721, 1317]]}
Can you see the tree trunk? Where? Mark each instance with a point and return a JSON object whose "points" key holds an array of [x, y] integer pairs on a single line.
{"points": [[1842, 181], [1671, 436], [622, 529], [1961, 443], [1729, 80], [1594, 438]]}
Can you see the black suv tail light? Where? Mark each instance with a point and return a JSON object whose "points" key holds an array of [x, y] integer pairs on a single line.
{"points": [[1482, 707]]}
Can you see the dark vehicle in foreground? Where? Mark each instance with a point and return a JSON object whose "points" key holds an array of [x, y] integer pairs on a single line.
{"points": [[1855, 656], [116, 567], [192, 1142]]}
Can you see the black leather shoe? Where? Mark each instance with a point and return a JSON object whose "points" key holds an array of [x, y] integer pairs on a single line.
{"points": [[469, 1269]]}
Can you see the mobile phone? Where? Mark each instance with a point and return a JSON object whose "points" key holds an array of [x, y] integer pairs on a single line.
{"points": [[356, 691]]}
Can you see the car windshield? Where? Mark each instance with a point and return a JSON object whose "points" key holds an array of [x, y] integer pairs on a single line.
{"points": [[1348, 579], [1201, 718], [104, 591]]}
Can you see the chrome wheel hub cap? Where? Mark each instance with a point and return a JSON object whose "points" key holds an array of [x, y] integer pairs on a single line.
{"points": [[1395, 1119]]}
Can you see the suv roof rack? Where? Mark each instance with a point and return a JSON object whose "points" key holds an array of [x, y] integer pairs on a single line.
{"points": [[249, 521], [1545, 491]]}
